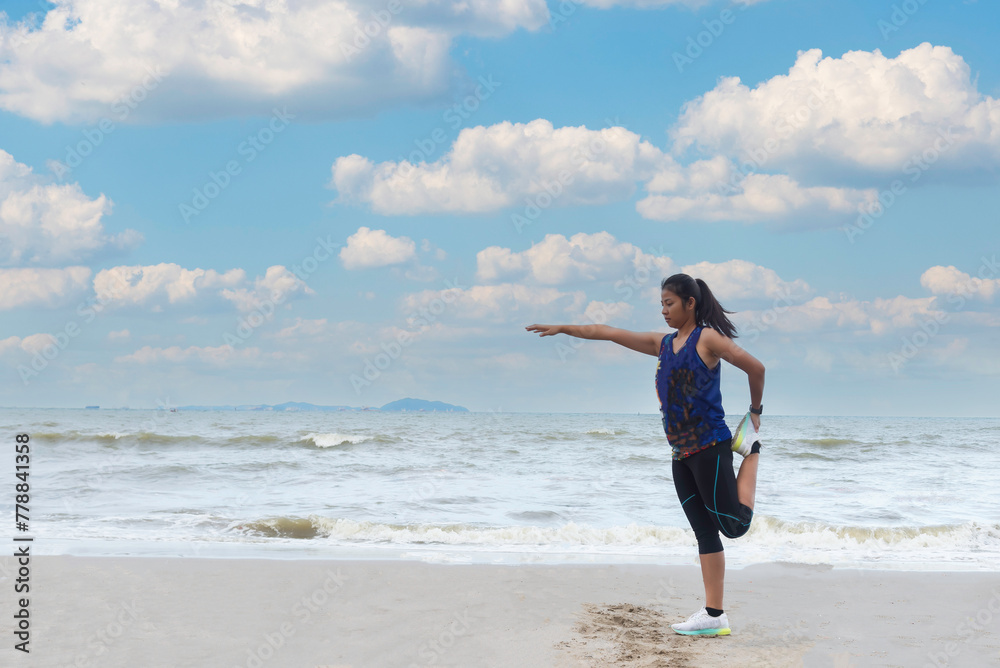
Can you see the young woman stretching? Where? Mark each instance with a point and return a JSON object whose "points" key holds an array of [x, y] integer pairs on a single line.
{"points": [[687, 385]]}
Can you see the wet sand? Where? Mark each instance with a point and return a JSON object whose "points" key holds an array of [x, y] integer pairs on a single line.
{"points": [[139, 611]]}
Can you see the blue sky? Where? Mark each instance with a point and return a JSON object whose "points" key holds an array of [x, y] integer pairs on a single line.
{"points": [[130, 277]]}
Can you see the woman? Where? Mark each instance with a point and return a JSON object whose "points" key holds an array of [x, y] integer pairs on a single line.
{"points": [[687, 385]]}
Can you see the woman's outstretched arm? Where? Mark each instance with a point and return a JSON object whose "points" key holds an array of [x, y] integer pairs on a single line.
{"points": [[643, 342]]}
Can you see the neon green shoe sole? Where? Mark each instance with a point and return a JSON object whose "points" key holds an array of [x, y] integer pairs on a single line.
{"points": [[705, 632]]}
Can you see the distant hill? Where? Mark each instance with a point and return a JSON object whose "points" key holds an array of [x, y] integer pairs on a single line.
{"points": [[422, 405], [292, 406]]}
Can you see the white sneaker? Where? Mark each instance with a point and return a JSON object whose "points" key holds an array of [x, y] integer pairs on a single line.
{"points": [[744, 436], [703, 624]]}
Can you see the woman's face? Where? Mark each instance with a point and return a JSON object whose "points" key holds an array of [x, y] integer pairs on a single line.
{"points": [[673, 310]]}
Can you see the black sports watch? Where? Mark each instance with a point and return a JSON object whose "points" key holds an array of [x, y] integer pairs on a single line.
{"points": [[758, 411]]}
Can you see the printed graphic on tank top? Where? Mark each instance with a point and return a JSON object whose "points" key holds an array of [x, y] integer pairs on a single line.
{"points": [[690, 398]]}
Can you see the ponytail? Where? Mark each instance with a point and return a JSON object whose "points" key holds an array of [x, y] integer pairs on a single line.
{"points": [[707, 309]]}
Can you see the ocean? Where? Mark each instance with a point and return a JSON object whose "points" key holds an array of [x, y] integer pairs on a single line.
{"points": [[853, 492]]}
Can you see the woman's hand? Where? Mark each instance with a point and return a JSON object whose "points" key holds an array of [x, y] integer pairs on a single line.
{"points": [[545, 330], [756, 421]]}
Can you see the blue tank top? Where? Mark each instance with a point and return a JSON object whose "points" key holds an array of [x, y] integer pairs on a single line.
{"points": [[690, 398]]}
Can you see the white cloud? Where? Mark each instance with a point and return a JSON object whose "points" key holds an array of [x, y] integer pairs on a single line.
{"points": [[9, 344], [375, 248], [121, 335], [499, 303], [303, 328], [900, 311], [968, 357], [210, 58], [877, 316], [792, 151], [275, 286], [36, 343], [31, 344], [153, 284], [155, 287], [422, 274], [231, 58], [715, 189], [41, 287], [427, 247], [448, 337], [950, 281], [48, 223], [607, 312], [218, 356], [862, 111], [557, 260], [534, 166], [320, 331], [740, 279], [489, 168]]}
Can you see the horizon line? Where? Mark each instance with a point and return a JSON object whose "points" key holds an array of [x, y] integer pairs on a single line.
{"points": [[376, 409]]}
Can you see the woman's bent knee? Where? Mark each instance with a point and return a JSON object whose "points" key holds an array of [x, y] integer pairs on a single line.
{"points": [[736, 527]]}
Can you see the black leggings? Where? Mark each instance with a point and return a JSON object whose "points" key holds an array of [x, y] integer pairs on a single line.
{"points": [[706, 488]]}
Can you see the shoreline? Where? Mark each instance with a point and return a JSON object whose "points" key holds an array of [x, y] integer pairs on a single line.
{"points": [[457, 555], [283, 553], [162, 611]]}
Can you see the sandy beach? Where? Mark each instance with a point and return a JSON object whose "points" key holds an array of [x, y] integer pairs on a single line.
{"points": [[146, 611]]}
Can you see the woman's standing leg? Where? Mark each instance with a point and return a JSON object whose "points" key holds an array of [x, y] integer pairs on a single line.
{"points": [[713, 574], [713, 562], [723, 505]]}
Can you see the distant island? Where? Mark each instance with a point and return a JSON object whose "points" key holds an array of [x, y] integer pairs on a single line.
{"points": [[416, 405], [422, 405]]}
